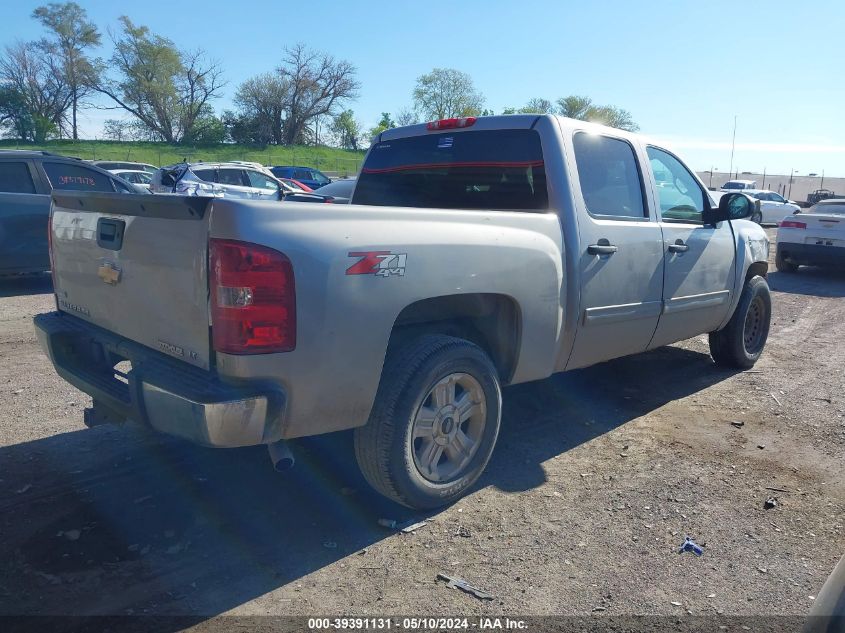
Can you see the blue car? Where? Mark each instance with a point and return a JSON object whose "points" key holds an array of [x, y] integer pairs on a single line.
{"points": [[314, 178]]}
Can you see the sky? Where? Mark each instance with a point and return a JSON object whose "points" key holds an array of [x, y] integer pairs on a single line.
{"points": [[685, 70]]}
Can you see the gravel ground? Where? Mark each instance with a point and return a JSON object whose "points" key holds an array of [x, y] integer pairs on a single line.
{"points": [[598, 476]]}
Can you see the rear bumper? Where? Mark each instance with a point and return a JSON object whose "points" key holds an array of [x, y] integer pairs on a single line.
{"points": [[166, 394], [812, 254]]}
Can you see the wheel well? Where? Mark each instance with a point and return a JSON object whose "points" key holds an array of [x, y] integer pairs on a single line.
{"points": [[757, 268], [491, 321]]}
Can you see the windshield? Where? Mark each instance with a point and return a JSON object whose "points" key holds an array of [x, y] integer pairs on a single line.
{"points": [[490, 169]]}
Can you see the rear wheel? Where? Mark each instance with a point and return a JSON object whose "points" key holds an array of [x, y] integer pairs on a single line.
{"points": [[784, 265], [740, 343], [434, 423]]}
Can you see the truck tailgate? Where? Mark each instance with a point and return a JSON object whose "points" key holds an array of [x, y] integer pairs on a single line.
{"points": [[136, 266]]}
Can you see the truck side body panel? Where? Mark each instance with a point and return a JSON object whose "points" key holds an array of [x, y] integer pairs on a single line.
{"points": [[345, 320]]}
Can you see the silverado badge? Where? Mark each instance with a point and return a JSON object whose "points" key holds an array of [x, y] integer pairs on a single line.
{"points": [[109, 273]]}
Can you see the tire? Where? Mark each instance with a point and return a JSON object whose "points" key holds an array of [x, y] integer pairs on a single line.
{"points": [[740, 343], [421, 464], [784, 265]]}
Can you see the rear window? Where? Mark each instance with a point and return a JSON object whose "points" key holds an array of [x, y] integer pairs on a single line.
{"points": [[485, 169], [733, 185], [830, 207], [72, 177], [15, 178]]}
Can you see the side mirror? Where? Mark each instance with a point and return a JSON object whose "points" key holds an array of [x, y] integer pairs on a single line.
{"points": [[732, 206]]}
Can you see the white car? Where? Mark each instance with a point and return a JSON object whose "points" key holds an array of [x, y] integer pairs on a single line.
{"points": [[136, 176], [815, 237], [773, 206], [222, 180], [734, 186]]}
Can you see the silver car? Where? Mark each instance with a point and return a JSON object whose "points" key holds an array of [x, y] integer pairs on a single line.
{"points": [[220, 180]]}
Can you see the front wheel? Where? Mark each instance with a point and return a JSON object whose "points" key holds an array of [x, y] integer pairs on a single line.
{"points": [[434, 423], [740, 343]]}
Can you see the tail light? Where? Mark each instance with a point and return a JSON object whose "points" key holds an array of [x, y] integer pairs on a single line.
{"points": [[450, 124], [793, 224], [253, 299]]}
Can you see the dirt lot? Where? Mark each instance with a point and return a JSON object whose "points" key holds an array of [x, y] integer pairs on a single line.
{"points": [[597, 478]]}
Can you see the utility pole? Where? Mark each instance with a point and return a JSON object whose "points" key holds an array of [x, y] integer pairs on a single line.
{"points": [[821, 185], [789, 195], [764, 177], [733, 146]]}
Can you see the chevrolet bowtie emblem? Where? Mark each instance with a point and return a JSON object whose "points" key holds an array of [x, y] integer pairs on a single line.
{"points": [[109, 273]]}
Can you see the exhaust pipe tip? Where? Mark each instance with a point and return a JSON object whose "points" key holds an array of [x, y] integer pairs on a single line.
{"points": [[281, 456]]}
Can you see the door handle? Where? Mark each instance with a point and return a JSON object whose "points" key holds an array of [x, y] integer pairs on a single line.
{"points": [[678, 247], [602, 248]]}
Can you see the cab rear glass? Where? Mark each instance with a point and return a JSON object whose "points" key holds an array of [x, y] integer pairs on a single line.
{"points": [[484, 169]]}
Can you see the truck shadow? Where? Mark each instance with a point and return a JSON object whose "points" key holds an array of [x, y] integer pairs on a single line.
{"points": [[811, 281], [20, 285], [552, 416], [115, 521]]}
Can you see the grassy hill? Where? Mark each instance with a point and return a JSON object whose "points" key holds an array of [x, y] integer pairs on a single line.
{"points": [[327, 159]]}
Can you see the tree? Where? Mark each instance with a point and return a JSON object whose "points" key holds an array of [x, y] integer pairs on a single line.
{"points": [[116, 129], [538, 106], [208, 129], [14, 115], [346, 130], [317, 84], [384, 124], [407, 116], [574, 106], [72, 35], [583, 108], [262, 101], [445, 93], [164, 88], [613, 117], [33, 73]]}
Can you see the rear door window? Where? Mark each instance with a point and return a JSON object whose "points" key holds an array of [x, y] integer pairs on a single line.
{"points": [[70, 177], [231, 177], [302, 174], [609, 175], [484, 169], [15, 178]]}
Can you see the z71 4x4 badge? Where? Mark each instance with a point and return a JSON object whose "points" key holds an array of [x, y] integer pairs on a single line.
{"points": [[381, 263]]}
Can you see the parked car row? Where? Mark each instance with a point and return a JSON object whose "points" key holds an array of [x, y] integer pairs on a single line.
{"points": [[27, 179], [239, 179]]}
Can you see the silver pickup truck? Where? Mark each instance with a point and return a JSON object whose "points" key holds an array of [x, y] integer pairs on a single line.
{"points": [[477, 253]]}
